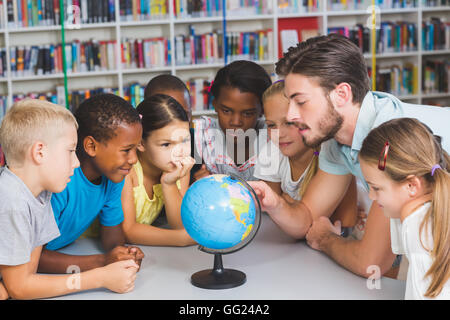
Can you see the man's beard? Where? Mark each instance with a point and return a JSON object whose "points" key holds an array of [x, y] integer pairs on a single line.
{"points": [[331, 123]]}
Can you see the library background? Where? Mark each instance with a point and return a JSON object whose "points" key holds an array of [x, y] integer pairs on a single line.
{"points": [[119, 45]]}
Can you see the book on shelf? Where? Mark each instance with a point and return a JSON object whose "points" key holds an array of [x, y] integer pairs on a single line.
{"points": [[140, 10], [298, 6], [198, 8], [399, 80], [3, 106], [248, 7], [3, 62], [33, 13], [435, 34], [85, 56], [255, 46], [435, 3], [199, 48], [398, 36], [340, 5], [436, 76], [358, 34], [199, 92], [145, 53]]}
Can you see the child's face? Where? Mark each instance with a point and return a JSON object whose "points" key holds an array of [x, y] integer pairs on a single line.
{"points": [[62, 160], [290, 142], [166, 145], [115, 157], [236, 109], [390, 195]]}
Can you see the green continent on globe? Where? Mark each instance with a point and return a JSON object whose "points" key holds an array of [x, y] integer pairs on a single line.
{"points": [[239, 207]]}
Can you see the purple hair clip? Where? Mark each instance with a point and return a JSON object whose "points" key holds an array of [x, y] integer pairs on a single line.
{"points": [[316, 153], [433, 169], [280, 80]]}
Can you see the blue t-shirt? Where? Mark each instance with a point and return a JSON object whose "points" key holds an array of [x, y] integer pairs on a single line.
{"points": [[77, 206]]}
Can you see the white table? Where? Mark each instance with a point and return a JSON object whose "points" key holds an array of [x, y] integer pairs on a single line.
{"points": [[277, 268]]}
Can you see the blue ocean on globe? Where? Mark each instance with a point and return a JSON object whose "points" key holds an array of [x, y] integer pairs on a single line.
{"points": [[218, 212]]}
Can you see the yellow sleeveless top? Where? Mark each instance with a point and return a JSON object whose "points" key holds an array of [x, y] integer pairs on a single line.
{"points": [[147, 210]]}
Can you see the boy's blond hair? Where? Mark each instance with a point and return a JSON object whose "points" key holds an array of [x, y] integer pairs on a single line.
{"points": [[28, 121]]}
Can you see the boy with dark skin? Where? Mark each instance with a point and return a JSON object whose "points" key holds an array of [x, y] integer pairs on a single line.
{"points": [[109, 133]]}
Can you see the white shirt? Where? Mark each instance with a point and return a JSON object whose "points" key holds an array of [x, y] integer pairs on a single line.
{"points": [[273, 166], [210, 144], [419, 258]]}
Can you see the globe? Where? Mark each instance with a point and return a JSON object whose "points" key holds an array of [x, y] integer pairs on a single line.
{"points": [[222, 214]]}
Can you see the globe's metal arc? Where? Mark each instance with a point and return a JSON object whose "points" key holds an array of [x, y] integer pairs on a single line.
{"points": [[254, 230]]}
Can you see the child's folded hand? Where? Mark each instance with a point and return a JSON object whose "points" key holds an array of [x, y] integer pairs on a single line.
{"points": [[119, 253], [138, 254], [120, 276], [182, 168]]}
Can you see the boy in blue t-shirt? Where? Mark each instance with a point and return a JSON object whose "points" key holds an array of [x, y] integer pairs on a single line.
{"points": [[109, 132]]}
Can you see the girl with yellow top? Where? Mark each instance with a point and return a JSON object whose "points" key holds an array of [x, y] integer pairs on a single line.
{"points": [[161, 175]]}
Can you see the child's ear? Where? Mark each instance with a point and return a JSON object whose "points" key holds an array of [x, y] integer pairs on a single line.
{"points": [[140, 146], [90, 146], [38, 152], [414, 186]]}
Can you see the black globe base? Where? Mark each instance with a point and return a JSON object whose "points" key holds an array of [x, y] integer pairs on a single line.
{"points": [[218, 278]]}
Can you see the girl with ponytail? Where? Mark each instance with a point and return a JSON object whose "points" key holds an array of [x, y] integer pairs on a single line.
{"points": [[407, 171]]}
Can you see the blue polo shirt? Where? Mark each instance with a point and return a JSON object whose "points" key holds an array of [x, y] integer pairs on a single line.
{"points": [[377, 108], [77, 206]]}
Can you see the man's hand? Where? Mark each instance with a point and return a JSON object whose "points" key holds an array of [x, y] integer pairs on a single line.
{"points": [[121, 253], [321, 229], [269, 200]]}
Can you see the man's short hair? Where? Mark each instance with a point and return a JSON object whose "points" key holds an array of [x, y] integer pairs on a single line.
{"points": [[28, 121], [331, 59]]}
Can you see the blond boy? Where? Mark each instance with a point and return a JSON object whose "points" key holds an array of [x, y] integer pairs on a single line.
{"points": [[39, 140]]}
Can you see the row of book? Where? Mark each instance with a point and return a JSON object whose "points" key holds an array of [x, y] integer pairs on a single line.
{"points": [[359, 35], [398, 80], [436, 76], [435, 34], [83, 56], [198, 8], [248, 7], [133, 93], [396, 37], [390, 37], [138, 10], [32, 13], [298, 6], [145, 53], [435, 3], [199, 48], [201, 99], [255, 46]]}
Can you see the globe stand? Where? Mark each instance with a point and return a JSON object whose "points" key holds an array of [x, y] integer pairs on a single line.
{"points": [[218, 277]]}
